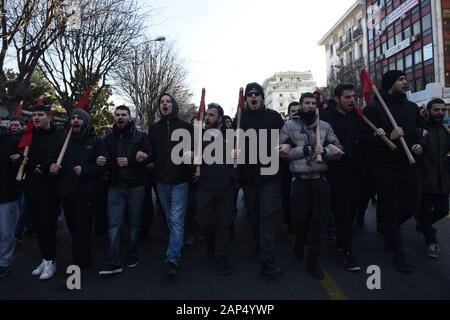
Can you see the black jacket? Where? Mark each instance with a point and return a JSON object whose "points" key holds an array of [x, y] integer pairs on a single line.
{"points": [[250, 174], [83, 150], [217, 177], [165, 171], [43, 152], [433, 167], [346, 127], [406, 114], [126, 143], [8, 168]]}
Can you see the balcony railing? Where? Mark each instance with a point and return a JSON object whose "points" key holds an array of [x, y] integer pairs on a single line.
{"points": [[357, 33]]}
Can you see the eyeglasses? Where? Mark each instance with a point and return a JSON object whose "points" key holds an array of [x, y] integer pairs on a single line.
{"points": [[253, 93]]}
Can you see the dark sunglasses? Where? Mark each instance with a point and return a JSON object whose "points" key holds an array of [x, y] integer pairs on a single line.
{"points": [[256, 94]]}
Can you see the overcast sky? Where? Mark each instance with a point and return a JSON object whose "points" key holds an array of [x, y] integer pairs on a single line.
{"points": [[228, 43]]}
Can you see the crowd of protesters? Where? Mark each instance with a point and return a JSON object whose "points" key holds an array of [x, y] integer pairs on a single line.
{"points": [[331, 164]]}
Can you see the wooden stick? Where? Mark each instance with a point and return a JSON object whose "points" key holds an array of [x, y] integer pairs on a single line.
{"points": [[64, 148], [199, 146], [238, 126], [319, 156], [19, 176], [394, 124], [384, 138]]}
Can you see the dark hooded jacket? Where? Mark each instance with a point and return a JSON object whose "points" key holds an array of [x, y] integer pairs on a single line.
{"points": [[125, 143], [406, 114], [433, 167], [43, 152], [346, 127], [165, 171], [83, 150], [8, 168], [263, 118]]}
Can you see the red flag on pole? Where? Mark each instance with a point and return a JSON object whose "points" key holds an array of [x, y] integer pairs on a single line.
{"points": [[27, 136], [83, 103], [366, 84], [19, 110], [202, 107], [40, 101], [319, 104], [241, 102]]}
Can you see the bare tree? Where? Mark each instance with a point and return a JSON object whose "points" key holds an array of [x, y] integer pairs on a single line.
{"points": [[86, 55], [28, 28], [151, 69]]}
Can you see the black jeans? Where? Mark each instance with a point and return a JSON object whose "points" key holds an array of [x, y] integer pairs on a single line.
{"points": [[433, 208], [310, 209], [344, 202], [214, 215], [399, 197], [262, 202], [79, 211], [44, 216]]}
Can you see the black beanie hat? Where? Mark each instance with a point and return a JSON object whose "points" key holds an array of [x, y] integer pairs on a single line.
{"points": [[254, 86], [390, 77], [83, 115]]}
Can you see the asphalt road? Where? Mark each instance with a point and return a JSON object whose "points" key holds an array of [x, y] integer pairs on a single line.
{"points": [[198, 279]]}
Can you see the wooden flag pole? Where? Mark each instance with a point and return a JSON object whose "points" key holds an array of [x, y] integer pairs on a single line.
{"points": [[394, 124], [238, 125], [319, 156], [64, 148], [199, 146], [384, 138], [19, 175]]}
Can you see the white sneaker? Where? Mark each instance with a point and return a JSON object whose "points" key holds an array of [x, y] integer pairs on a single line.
{"points": [[38, 270], [49, 270]]}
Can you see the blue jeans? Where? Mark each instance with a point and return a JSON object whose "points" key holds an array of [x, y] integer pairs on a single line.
{"points": [[174, 199], [8, 221], [119, 200]]}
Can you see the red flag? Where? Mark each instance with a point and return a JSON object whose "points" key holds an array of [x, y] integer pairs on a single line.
{"points": [[202, 107], [27, 136], [358, 111], [241, 102], [83, 103], [319, 104], [40, 101], [366, 84], [19, 110]]}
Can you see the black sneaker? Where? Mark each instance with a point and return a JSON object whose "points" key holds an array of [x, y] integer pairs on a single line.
{"points": [[268, 267], [314, 269], [222, 267], [401, 264], [110, 269], [3, 271], [350, 262], [255, 256], [171, 269], [132, 262]]}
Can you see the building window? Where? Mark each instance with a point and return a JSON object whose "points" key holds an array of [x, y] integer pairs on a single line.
{"points": [[392, 66], [281, 104], [429, 78], [400, 64], [419, 84], [281, 79], [426, 22], [391, 42], [398, 38], [350, 57], [428, 52], [417, 57], [415, 10], [361, 51], [407, 33], [408, 61], [281, 95], [371, 55], [416, 27]]}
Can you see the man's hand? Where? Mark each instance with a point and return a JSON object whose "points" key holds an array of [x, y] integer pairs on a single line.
{"points": [[77, 170], [284, 149], [14, 157], [335, 151], [417, 149], [101, 161], [122, 162], [397, 133], [54, 169], [317, 150], [141, 156], [380, 132]]}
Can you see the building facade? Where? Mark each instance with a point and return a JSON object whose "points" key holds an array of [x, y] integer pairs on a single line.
{"points": [[285, 87], [345, 42], [412, 36]]}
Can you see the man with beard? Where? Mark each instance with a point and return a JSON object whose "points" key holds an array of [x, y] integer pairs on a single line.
{"points": [[343, 174], [397, 182], [215, 193], [15, 128], [435, 176], [78, 181], [40, 188], [261, 192], [172, 180], [130, 151], [310, 198]]}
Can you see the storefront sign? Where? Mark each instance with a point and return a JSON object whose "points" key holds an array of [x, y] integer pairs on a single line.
{"points": [[397, 48], [402, 9]]}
